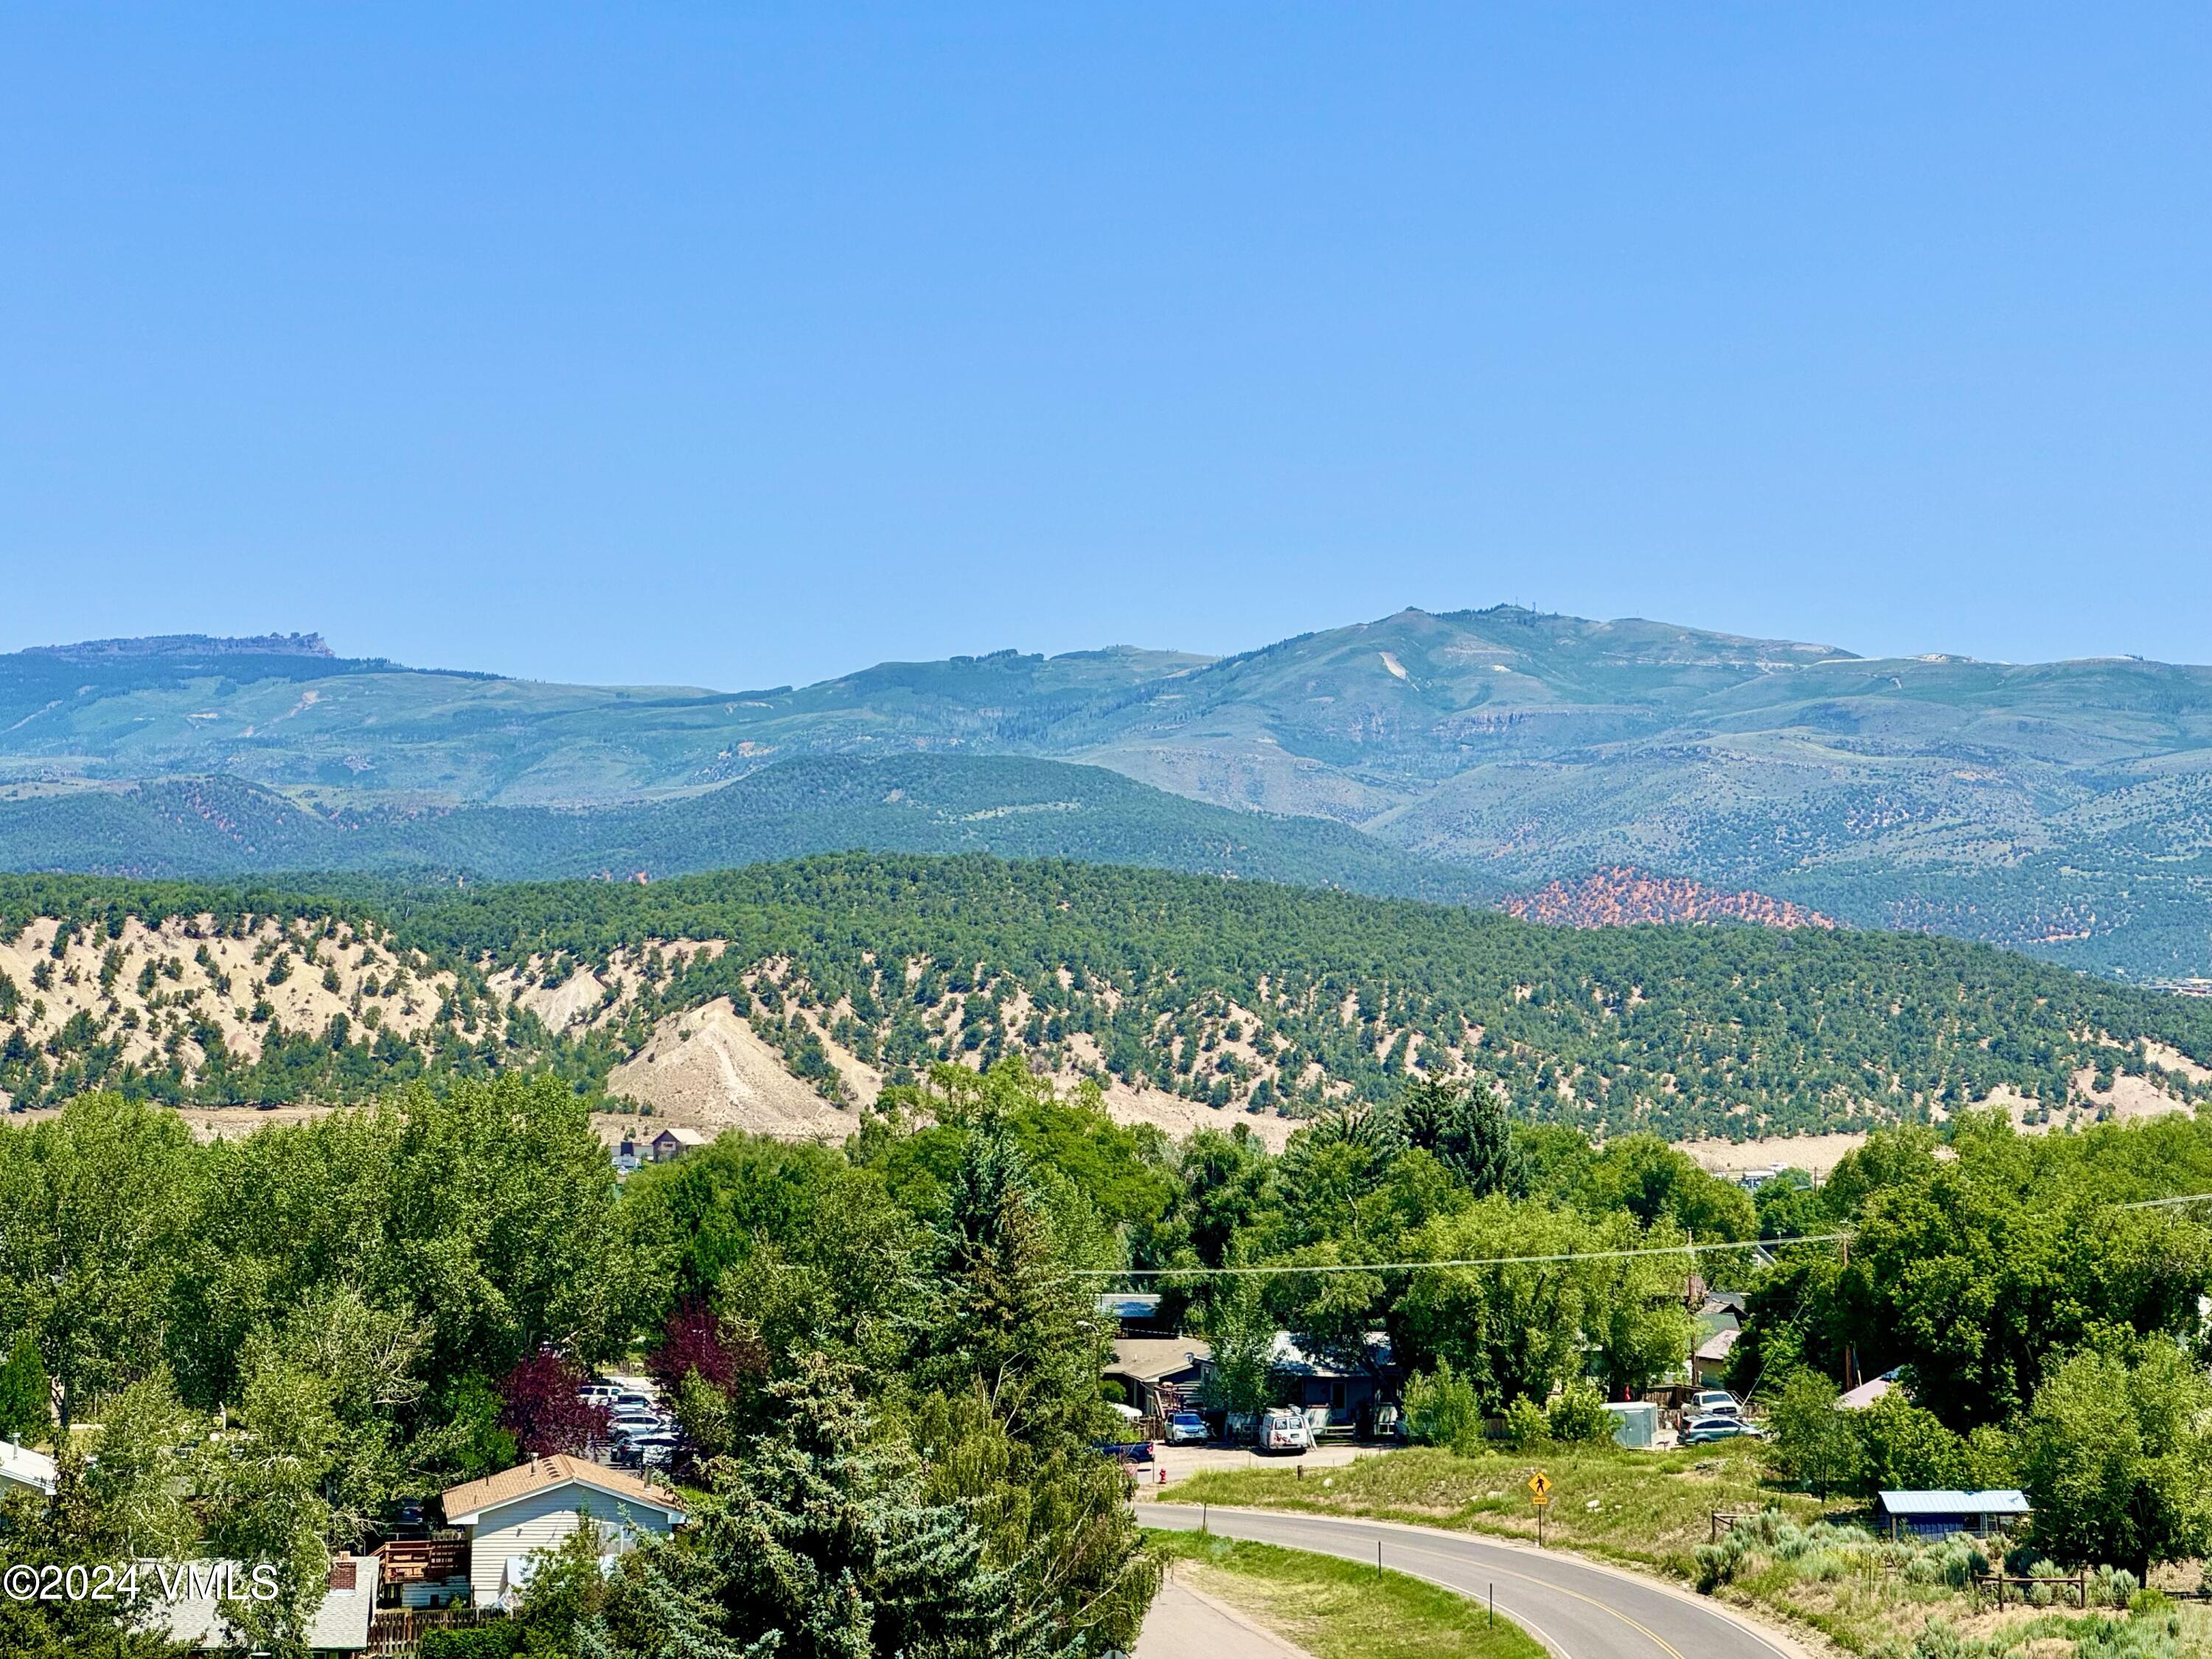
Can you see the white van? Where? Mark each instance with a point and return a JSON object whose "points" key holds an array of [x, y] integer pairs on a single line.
{"points": [[1285, 1428]]}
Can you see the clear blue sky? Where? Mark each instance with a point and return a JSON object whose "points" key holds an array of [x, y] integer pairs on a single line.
{"points": [[745, 344]]}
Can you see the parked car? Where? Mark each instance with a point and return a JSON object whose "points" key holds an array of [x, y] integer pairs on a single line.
{"points": [[1186, 1429], [1390, 1423], [1702, 1429], [654, 1449], [1285, 1430], [1712, 1402], [630, 1400]]}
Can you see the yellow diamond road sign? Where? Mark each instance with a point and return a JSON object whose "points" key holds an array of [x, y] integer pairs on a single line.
{"points": [[1540, 1486]]}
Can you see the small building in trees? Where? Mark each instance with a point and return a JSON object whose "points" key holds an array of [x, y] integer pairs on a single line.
{"points": [[1135, 1313], [1159, 1375], [188, 1599], [22, 1469], [674, 1143], [1335, 1392], [1867, 1393], [509, 1516], [1939, 1514]]}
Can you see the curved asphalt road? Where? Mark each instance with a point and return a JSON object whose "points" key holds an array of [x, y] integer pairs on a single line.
{"points": [[1576, 1609]]}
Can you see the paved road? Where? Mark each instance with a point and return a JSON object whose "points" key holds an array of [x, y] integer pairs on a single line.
{"points": [[1578, 1610]]}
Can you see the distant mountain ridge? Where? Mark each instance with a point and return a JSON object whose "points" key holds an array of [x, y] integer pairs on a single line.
{"points": [[193, 645], [2062, 808]]}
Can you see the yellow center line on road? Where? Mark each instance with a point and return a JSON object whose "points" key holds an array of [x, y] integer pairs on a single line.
{"points": [[1645, 1631]]}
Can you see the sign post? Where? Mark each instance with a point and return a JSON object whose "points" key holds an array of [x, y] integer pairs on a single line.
{"points": [[1539, 1495]]}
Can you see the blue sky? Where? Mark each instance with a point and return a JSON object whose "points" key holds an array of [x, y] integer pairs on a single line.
{"points": [[740, 345]]}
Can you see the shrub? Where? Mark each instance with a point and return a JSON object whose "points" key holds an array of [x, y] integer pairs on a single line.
{"points": [[1442, 1410], [1525, 1426], [1579, 1416], [498, 1640]]}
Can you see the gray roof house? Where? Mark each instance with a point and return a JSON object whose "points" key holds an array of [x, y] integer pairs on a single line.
{"points": [[187, 1601], [22, 1469]]}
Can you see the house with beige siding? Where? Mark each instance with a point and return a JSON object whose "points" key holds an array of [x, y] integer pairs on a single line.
{"points": [[509, 1516]]}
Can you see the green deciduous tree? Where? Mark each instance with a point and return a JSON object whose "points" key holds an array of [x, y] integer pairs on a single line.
{"points": [[27, 1409], [1814, 1443], [2113, 1452]]}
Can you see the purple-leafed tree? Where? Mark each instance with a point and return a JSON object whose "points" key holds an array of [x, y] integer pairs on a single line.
{"points": [[541, 1409], [693, 1343]]}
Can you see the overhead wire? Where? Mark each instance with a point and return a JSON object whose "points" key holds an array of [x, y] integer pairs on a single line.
{"points": [[1690, 1248]]}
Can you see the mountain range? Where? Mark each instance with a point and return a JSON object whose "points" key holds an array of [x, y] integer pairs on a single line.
{"points": [[2061, 808]]}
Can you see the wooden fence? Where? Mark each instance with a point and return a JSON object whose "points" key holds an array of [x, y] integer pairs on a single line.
{"points": [[2078, 1583], [394, 1632]]}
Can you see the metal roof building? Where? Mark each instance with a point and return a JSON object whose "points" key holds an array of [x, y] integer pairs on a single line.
{"points": [[1939, 1514]]}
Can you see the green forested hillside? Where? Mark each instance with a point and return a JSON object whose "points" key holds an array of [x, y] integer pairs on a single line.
{"points": [[1004, 806], [1244, 994]]}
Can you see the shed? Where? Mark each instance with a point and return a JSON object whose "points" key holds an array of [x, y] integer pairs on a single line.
{"points": [[509, 1516], [1939, 1514], [1635, 1423]]}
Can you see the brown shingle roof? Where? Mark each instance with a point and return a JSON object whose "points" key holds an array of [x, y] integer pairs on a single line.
{"points": [[558, 1470]]}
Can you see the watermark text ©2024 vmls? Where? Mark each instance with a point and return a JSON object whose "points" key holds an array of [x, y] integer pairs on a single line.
{"points": [[133, 1580]]}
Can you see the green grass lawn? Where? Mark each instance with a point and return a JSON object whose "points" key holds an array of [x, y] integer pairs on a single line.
{"points": [[1650, 1508], [1337, 1609]]}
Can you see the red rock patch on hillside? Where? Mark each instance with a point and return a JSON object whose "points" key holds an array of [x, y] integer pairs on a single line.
{"points": [[1623, 896]]}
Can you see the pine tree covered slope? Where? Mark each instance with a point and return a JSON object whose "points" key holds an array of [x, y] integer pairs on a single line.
{"points": [[1243, 996]]}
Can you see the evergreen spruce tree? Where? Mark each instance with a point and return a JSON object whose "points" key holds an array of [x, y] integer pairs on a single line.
{"points": [[26, 1397], [823, 1545], [1009, 1365], [1467, 1128]]}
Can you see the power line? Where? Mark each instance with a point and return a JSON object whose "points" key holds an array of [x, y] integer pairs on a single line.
{"points": [[1690, 1248], [1457, 1261]]}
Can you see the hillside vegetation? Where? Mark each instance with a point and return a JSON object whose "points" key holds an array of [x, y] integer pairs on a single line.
{"points": [[1234, 995], [2057, 808], [1005, 805]]}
